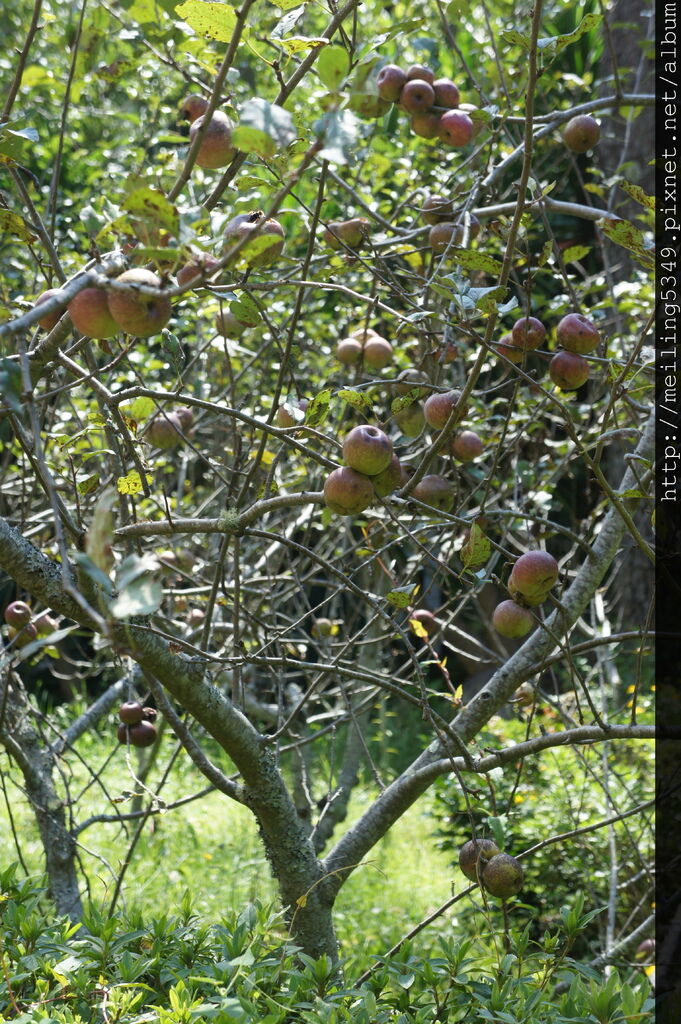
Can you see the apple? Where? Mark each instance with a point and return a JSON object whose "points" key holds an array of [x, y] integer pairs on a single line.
{"points": [[390, 80], [446, 93], [322, 627], [417, 95], [131, 712], [90, 314], [363, 333], [474, 854], [45, 624], [581, 133], [577, 333], [411, 419], [442, 235], [49, 320], [216, 149], [136, 313], [348, 492], [420, 72], [534, 573], [195, 617], [142, 734], [194, 106], [528, 333], [512, 620], [367, 449], [164, 431], [411, 380], [350, 234], [502, 875], [368, 104], [270, 229], [505, 347], [23, 636], [228, 326], [435, 491], [528, 602], [377, 352], [470, 109], [436, 209], [524, 696], [438, 407], [467, 446], [568, 370], [426, 124], [426, 619], [186, 417], [348, 351], [201, 264], [456, 128], [389, 479], [17, 614]]}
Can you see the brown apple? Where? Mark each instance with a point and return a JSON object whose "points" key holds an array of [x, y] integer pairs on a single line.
{"points": [[417, 95], [137, 313], [131, 712], [568, 370], [199, 266], [577, 333], [216, 149], [456, 128], [446, 93], [426, 124], [164, 431], [474, 854], [467, 446], [389, 479], [194, 106], [420, 72], [436, 209], [581, 133], [389, 81], [528, 333], [502, 876], [348, 351], [90, 314], [243, 225], [348, 492], [505, 347], [377, 352], [438, 407], [436, 491]]}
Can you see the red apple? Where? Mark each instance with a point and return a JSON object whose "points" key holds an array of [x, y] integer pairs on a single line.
{"points": [[269, 229], [348, 492], [17, 614], [348, 351], [467, 446], [568, 370], [436, 209], [194, 106], [131, 712], [49, 320], [90, 314], [200, 265], [511, 620], [389, 479], [528, 333], [135, 312], [446, 93], [437, 408], [434, 490], [216, 149], [378, 352], [417, 95], [390, 80], [505, 347], [577, 333], [426, 124], [421, 72], [456, 128], [534, 573], [425, 619]]}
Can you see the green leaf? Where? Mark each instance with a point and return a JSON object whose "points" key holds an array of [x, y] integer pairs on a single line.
{"points": [[318, 409], [246, 311], [98, 542], [401, 597], [357, 399], [211, 20], [172, 349], [576, 252], [551, 46], [470, 260], [514, 38], [13, 224], [295, 44], [10, 384], [333, 65], [624, 233], [337, 131], [151, 207], [141, 598], [638, 194], [477, 549], [263, 128]]}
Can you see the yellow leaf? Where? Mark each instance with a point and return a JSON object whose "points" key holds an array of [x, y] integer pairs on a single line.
{"points": [[302, 901]]}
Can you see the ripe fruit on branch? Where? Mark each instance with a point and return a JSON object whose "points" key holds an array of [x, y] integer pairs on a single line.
{"points": [[389, 479], [411, 380], [568, 370], [165, 431], [22, 636], [143, 734], [216, 149], [351, 234], [45, 624], [524, 696], [411, 420], [442, 235], [512, 620], [390, 80], [420, 72], [436, 209], [348, 351], [577, 333], [456, 128], [426, 124], [348, 492], [436, 491], [446, 93], [199, 265], [505, 347], [131, 712], [137, 313], [528, 333], [268, 229], [378, 352], [502, 875], [437, 408], [534, 574], [363, 333], [322, 627], [417, 95], [581, 133], [17, 614], [473, 856], [367, 449], [90, 314], [467, 446], [49, 320], [194, 106]]}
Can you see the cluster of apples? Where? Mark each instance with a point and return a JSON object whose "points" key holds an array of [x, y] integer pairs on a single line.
{"points": [[447, 227], [432, 103], [575, 333], [367, 345], [22, 627], [136, 724], [500, 874], [532, 577]]}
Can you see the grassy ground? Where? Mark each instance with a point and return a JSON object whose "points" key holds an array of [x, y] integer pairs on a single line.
{"points": [[211, 848]]}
